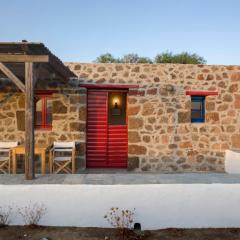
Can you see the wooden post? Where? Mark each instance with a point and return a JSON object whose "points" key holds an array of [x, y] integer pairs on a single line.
{"points": [[29, 121]]}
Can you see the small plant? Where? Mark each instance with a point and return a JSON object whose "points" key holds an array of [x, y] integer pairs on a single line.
{"points": [[122, 220], [32, 213], [5, 215]]}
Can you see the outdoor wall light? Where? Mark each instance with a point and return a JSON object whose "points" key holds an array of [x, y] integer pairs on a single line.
{"points": [[116, 104], [116, 107]]}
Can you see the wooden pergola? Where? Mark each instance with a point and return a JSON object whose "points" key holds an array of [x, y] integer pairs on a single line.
{"points": [[26, 63]]}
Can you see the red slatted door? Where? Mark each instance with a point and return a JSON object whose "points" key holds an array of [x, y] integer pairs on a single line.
{"points": [[117, 146], [107, 145], [97, 124]]}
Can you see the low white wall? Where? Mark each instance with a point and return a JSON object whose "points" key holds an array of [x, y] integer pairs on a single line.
{"points": [[157, 206]]}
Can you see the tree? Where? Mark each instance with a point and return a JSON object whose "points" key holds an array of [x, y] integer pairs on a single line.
{"points": [[128, 58], [105, 58], [164, 57], [182, 58], [134, 58]]}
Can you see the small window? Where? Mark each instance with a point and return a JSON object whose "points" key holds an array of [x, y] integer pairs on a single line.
{"points": [[198, 109], [43, 111]]}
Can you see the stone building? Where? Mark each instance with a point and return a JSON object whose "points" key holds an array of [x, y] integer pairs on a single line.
{"points": [[179, 118]]}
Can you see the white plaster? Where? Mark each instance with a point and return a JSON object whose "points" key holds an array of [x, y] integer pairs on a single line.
{"points": [[232, 162], [157, 206]]}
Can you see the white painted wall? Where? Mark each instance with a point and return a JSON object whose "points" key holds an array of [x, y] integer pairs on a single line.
{"points": [[232, 162], [157, 206]]}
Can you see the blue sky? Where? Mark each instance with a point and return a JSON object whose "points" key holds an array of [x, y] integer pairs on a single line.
{"points": [[77, 30]]}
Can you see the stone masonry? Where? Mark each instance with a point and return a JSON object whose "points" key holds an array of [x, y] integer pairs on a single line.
{"points": [[161, 135]]}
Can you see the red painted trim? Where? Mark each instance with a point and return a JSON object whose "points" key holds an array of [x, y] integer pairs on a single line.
{"points": [[45, 92], [201, 93], [44, 126], [108, 86]]}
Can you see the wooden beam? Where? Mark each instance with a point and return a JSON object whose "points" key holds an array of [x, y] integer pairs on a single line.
{"points": [[23, 58], [29, 121], [12, 76]]}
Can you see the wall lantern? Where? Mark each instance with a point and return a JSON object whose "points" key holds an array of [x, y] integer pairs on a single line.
{"points": [[116, 106]]}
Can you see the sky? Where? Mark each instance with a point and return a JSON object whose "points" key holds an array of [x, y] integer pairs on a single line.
{"points": [[81, 30]]}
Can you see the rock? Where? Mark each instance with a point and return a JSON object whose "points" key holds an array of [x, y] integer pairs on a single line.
{"points": [[101, 69], [184, 117], [76, 99], [200, 77], [82, 113], [222, 84], [21, 101], [136, 69], [119, 67], [151, 120], [133, 137], [137, 149], [146, 139], [233, 88], [83, 75], [210, 106], [133, 163], [134, 110], [135, 122], [58, 107], [227, 98], [235, 76], [222, 107], [148, 109], [76, 126], [143, 76], [187, 144], [132, 100], [77, 67], [212, 117], [172, 146], [210, 77], [146, 167], [20, 115], [211, 160], [152, 91], [231, 129], [237, 101], [235, 141]]}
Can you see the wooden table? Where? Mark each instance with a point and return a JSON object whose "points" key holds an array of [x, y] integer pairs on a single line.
{"points": [[40, 149]]}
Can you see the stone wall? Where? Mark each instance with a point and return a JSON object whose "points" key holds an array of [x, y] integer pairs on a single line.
{"points": [[68, 122], [161, 135]]}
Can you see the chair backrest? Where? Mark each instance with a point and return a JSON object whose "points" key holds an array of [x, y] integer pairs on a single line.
{"points": [[8, 145], [5, 147], [63, 146]]}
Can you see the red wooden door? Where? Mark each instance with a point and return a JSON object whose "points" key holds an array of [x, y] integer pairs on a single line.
{"points": [[107, 145]]}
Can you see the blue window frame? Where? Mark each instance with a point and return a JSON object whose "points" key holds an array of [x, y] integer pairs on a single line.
{"points": [[197, 109]]}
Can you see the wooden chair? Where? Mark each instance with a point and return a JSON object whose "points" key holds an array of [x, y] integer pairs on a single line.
{"points": [[5, 156], [62, 157]]}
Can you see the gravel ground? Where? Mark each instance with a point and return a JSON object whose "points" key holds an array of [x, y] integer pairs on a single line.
{"points": [[68, 233]]}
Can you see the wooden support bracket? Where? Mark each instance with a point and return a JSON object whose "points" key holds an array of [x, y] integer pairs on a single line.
{"points": [[12, 76]]}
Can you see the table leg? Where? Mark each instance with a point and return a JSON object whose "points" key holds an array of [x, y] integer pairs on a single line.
{"points": [[50, 162], [43, 162], [14, 161]]}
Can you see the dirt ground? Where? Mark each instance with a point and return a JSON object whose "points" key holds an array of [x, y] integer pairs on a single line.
{"points": [[67, 233]]}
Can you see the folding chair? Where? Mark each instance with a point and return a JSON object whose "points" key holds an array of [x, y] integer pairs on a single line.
{"points": [[5, 156], [62, 157]]}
